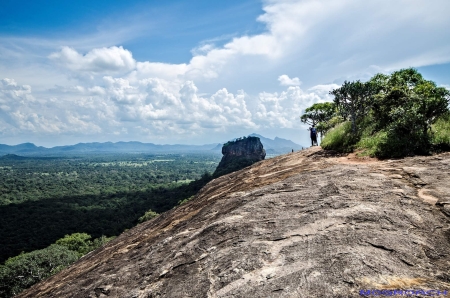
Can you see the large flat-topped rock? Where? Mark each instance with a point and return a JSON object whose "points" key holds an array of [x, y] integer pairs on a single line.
{"points": [[307, 224], [239, 154]]}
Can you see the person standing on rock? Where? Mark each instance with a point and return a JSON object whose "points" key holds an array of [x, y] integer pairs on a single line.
{"points": [[313, 135]]}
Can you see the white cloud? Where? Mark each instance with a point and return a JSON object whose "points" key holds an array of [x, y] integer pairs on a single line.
{"points": [[152, 108], [12, 93], [100, 60], [224, 89], [285, 80], [161, 70], [202, 49], [283, 110], [22, 113]]}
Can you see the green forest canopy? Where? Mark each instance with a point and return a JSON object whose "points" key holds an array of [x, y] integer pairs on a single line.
{"points": [[41, 200]]}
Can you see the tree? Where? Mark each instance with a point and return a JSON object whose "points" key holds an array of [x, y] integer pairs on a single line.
{"points": [[24, 270], [354, 100], [78, 242], [150, 214], [319, 114], [391, 115], [405, 107]]}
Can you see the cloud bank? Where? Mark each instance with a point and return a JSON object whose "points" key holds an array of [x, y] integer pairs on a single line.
{"points": [[223, 91]]}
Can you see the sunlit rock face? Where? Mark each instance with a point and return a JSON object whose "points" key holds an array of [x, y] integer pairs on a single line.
{"points": [[305, 224], [240, 154]]}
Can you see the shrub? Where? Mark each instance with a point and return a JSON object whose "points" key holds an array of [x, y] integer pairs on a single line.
{"points": [[391, 143], [370, 144], [340, 138], [148, 215], [24, 270], [440, 133], [393, 115], [79, 242], [184, 200]]}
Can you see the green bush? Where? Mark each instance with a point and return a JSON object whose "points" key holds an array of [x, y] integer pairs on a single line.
{"points": [[82, 243], [185, 200], [340, 138], [79, 242], [22, 271], [440, 131], [385, 142], [26, 269], [370, 144], [148, 215], [100, 241], [391, 143]]}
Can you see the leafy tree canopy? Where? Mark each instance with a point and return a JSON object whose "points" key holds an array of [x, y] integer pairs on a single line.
{"points": [[393, 114], [24, 270], [79, 242], [405, 107], [354, 100], [318, 112]]}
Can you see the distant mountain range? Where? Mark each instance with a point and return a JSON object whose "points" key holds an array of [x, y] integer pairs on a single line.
{"points": [[276, 146], [107, 147]]}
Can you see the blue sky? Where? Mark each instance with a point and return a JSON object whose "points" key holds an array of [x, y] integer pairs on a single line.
{"points": [[168, 30], [197, 72]]}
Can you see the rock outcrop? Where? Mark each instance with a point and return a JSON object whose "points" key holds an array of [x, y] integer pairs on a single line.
{"points": [[239, 154], [299, 225]]}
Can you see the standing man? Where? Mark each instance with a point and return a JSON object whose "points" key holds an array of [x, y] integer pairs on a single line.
{"points": [[313, 135]]}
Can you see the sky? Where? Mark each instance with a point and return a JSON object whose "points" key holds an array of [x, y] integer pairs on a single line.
{"points": [[199, 72]]}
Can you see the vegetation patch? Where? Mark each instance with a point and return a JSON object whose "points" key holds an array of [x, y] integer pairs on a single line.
{"points": [[82, 195], [394, 115], [23, 271], [339, 138], [441, 133], [150, 214]]}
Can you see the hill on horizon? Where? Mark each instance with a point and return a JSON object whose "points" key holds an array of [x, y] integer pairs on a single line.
{"points": [[276, 146], [13, 157]]}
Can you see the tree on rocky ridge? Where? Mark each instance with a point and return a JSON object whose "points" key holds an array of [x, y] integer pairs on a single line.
{"points": [[354, 100], [390, 115], [406, 106], [319, 115]]}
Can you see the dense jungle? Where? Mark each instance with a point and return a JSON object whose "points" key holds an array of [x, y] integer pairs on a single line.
{"points": [[42, 199]]}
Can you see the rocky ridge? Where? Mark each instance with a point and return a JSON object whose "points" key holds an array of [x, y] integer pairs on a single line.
{"points": [[240, 154], [307, 224]]}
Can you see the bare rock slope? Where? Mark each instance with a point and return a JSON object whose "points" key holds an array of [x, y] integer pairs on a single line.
{"points": [[299, 225]]}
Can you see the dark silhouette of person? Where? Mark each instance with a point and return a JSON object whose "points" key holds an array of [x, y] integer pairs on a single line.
{"points": [[313, 135]]}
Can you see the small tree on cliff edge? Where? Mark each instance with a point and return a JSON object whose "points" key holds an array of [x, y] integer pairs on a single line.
{"points": [[319, 114]]}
